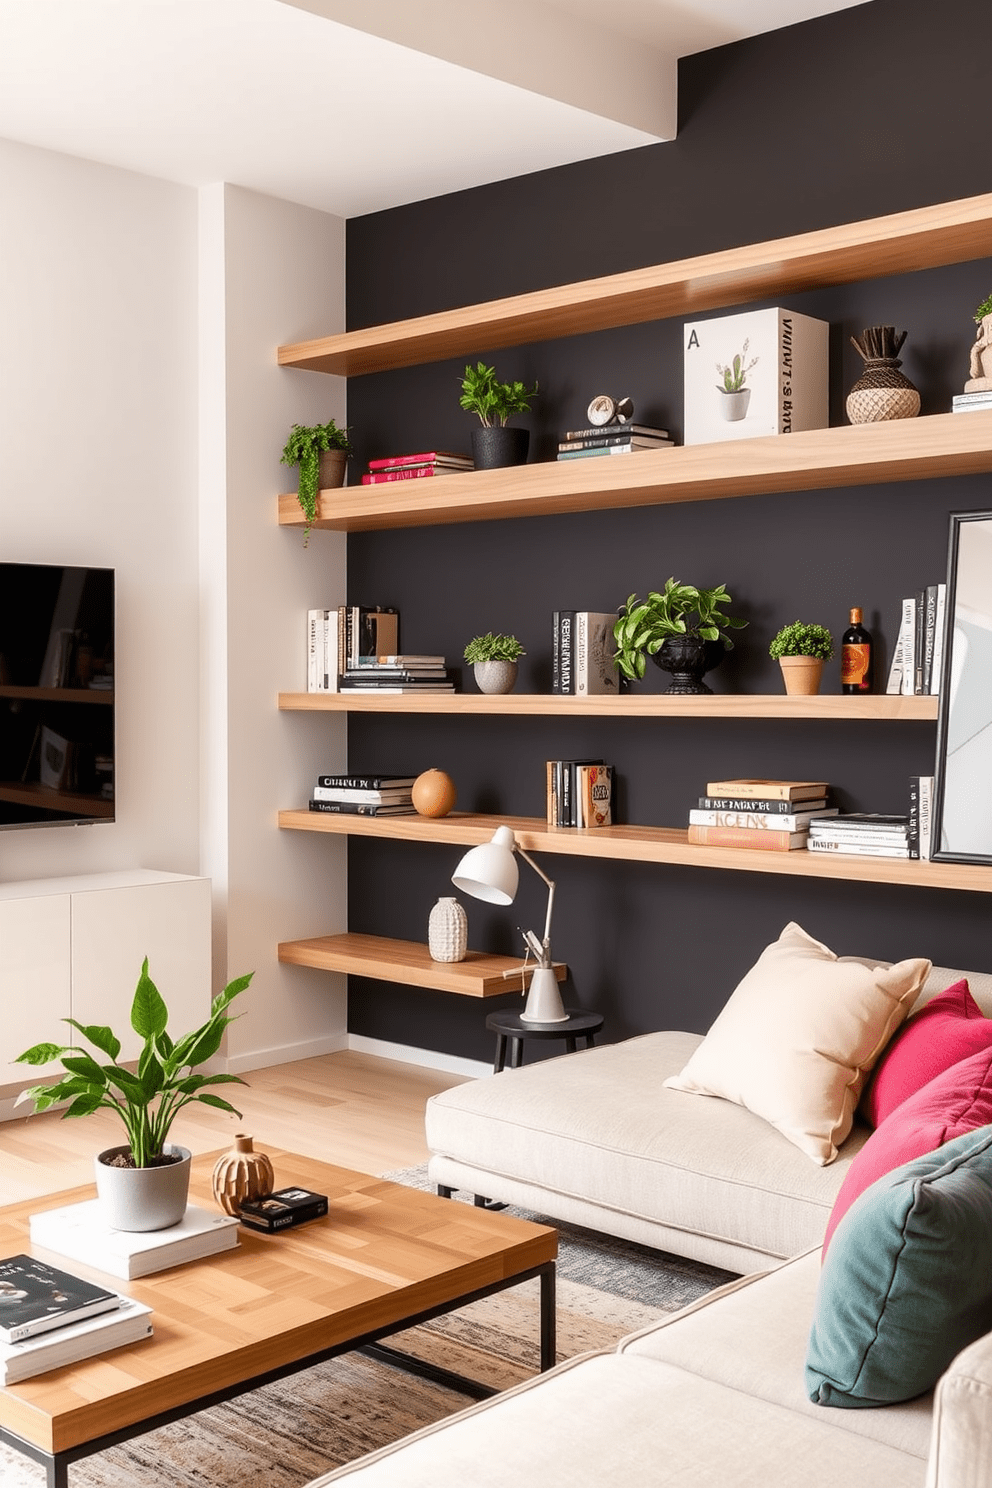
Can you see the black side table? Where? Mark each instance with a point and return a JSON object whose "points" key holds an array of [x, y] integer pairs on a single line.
{"points": [[511, 1027]]}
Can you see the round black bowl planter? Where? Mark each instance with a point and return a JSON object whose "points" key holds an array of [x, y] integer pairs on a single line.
{"points": [[494, 448], [687, 658]]}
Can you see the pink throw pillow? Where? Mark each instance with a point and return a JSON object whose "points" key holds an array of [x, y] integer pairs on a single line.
{"points": [[957, 1101], [945, 1030]]}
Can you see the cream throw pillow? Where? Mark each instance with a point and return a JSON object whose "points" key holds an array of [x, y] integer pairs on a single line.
{"points": [[800, 1034]]}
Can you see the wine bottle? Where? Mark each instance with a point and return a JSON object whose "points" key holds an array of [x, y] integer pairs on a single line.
{"points": [[856, 656]]}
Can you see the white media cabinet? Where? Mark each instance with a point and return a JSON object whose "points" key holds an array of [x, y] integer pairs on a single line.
{"points": [[73, 947]]}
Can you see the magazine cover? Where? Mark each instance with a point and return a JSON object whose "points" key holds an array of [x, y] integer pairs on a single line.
{"points": [[760, 372]]}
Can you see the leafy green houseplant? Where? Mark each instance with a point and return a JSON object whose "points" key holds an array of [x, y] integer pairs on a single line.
{"points": [[494, 445], [645, 625], [147, 1100], [799, 639], [494, 661], [304, 448]]}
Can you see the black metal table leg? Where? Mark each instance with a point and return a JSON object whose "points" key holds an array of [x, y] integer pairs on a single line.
{"points": [[548, 1337], [500, 1058], [516, 1052]]}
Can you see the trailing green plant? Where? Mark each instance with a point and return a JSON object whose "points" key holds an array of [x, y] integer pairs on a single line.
{"points": [[304, 448], [494, 402], [799, 639], [681, 609], [734, 376], [149, 1100], [491, 647], [985, 308]]}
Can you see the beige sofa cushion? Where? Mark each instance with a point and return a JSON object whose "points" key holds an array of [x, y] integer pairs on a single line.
{"points": [[799, 1035], [622, 1419], [600, 1124], [753, 1335]]}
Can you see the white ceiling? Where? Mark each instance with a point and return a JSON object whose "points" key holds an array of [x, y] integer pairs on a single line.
{"points": [[281, 96]]}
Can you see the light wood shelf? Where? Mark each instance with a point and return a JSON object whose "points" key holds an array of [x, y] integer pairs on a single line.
{"points": [[630, 705], [409, 963], [644, 845], [943, 444], [926, 237]]}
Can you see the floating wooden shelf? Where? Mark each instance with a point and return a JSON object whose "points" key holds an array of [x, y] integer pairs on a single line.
{"points": [[630, 705], [58, 694], [926, 237], [644, 845], [409, 963], [945, 444]]}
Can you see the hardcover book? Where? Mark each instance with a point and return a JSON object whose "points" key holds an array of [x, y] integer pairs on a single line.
{"points": [[745, 837], [283, 1209], [75, 1341], [857, 849], [757, 373], [78, 1231], [594, 795], [772, 790], [367, 782], [563, 652], [760, 821], [35, 1298], [755, 803], [620, 431], [595, 674], [424, 457], [364, 808]]}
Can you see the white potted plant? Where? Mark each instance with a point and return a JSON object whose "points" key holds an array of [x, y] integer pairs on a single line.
{"points": [[494, 661], [142, 1185]]}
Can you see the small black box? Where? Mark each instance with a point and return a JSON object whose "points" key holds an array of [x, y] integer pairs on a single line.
{"points": [[280, 1210]]}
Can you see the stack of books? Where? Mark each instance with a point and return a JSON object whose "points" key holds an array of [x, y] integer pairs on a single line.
{"points": [[79, 1232], [364, 795], [863, 834], [416, 467], [918, 655], [612, 439], [971, 402], [49, 1318], [582, 650], [396, 673], [340, 638], [764, 815], [579, 793]]}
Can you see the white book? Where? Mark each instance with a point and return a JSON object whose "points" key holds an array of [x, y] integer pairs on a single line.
{"points": [[78, 1231], [908, 638], [130, 1322], [595, 674], [313, 622], [858, 850], [938, 639], [893, 686], [789, 821], [926, 816], [387, 796]]}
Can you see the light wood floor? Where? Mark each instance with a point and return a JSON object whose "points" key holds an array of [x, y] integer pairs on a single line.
{"points": [[348, 1108]]}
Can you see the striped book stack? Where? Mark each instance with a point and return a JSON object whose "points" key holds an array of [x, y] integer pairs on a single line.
{"points": [[763, 815]]}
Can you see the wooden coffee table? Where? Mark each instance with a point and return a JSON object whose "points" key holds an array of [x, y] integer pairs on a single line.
{"points": [[385, 1258]]}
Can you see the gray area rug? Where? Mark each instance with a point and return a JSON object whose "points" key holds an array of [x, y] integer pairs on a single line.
{"points": [[287, 1433]]}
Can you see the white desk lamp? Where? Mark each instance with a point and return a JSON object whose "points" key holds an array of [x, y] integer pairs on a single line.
{"points": [[489, 872]]}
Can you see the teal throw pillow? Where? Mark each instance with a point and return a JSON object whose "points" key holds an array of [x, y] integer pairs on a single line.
{"points": [[907, 1280]]}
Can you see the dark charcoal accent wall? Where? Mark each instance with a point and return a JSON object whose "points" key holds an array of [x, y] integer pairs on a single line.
{"points": [[869, 111]]}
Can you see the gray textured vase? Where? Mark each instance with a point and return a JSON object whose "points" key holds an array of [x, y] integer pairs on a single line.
{"points": [[140, 1199], [495, 676]]}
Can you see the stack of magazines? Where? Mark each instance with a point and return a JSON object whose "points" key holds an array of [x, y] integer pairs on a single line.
{"points": [[49, 1318], [364, 795], [863, 833], [396, 674]]}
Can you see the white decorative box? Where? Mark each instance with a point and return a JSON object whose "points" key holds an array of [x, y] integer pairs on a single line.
{"points": [[760, 372]]}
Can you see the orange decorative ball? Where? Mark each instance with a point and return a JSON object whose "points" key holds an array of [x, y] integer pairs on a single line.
{"points": [[434, 793]]}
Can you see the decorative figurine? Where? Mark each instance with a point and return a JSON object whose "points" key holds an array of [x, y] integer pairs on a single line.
{"points": [[606, 410]]}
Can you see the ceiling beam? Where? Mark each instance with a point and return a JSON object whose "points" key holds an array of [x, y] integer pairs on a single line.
{"points": [[530, 45]]}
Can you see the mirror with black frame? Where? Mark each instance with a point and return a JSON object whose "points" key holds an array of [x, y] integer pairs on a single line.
{"points": [[963, 782]]}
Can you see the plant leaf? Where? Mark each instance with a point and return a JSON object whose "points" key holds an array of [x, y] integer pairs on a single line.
{"points": [[149, 1014]]}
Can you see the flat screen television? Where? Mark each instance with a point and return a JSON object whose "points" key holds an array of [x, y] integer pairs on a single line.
{"points": [[56, 694]]}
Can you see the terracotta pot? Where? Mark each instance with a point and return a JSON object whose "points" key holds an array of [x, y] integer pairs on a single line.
{"points": [[801, 674], [331, 466]]}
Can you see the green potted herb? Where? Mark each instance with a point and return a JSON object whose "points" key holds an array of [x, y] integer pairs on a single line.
{"points": [[800, 650], [322, 453], [143, 1184], [735, 396], [682, 629], [495, 445], [494, 661]]}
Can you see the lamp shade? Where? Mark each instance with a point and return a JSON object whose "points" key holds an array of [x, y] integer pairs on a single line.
{"points": [[489, 871]]}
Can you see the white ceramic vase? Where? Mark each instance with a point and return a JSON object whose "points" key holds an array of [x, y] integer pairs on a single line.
{"points": [[447, 931]]}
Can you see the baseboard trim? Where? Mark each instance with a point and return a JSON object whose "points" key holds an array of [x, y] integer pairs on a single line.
{"points": [[449, 1064], [287, 1053]]}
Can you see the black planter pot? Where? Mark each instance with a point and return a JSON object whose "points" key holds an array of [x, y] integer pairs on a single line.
{"points": [[687, 658], [494, 448]]}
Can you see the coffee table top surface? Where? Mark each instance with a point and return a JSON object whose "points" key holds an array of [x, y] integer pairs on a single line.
{"points": [[383, 1254]]}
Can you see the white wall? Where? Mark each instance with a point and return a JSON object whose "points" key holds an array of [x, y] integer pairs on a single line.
{"points": [[282, 271], [97, 466]]}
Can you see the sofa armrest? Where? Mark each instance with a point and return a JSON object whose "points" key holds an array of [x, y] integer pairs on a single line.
{"points": [[961, 1445]]}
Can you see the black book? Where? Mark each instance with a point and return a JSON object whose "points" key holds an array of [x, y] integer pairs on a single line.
{"points": [[282, 1209], [563, 670], [621, 431], [34, 1298], [366, 782], [364, 808]]}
